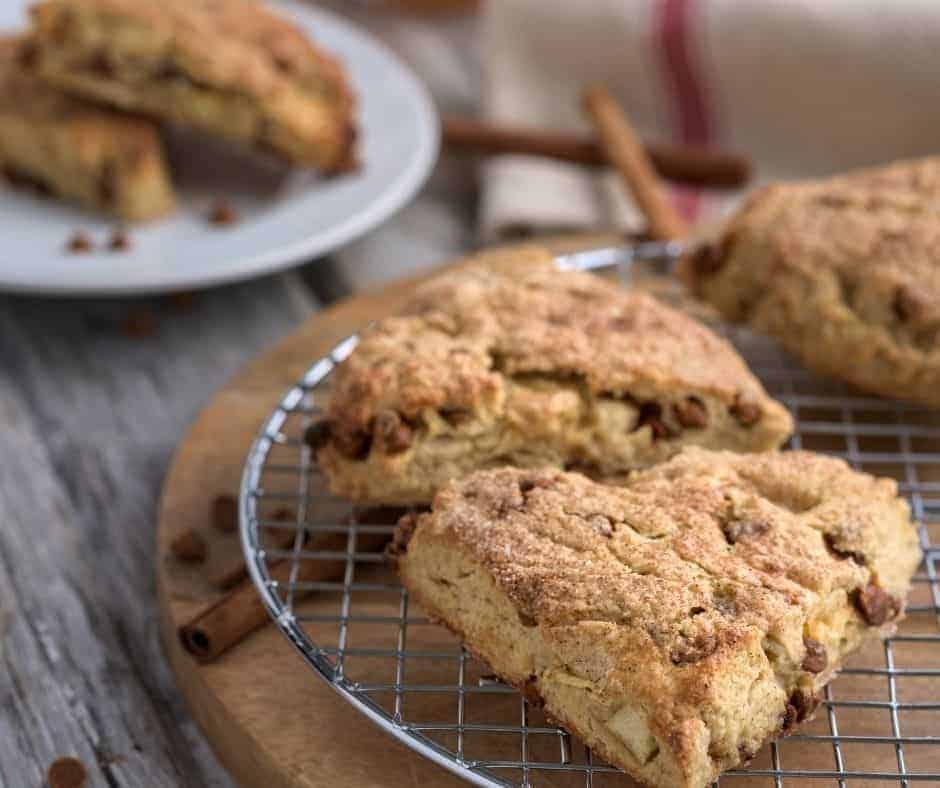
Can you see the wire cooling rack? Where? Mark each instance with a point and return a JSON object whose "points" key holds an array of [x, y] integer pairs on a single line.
{"points": [[322, 576]]}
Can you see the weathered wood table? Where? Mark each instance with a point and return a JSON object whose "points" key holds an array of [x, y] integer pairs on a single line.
{"points": [[93, 397]]}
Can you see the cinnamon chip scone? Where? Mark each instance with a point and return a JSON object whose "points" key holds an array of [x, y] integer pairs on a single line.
{"points": [[510, 361], [676, 622], [75, 150], [844, 273], [229, 67]]}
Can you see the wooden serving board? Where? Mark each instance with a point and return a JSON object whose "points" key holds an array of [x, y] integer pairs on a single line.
{"points": [[272, 722]]}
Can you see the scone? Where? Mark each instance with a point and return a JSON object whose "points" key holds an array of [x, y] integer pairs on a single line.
{"points": [[510, 361], [677, 622], [74, 150], [845, 273], [229, 67]]}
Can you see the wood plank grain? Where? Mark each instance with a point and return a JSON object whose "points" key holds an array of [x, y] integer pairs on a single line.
{"points": [[89, 415]]}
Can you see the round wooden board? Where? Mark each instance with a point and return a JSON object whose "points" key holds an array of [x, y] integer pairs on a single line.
{"points": [[269, 719]]}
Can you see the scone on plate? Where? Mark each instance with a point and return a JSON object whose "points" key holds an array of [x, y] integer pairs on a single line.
{"points": [[229, 67], [676, 622], [845, 273], [74, 150], [510, 361]]}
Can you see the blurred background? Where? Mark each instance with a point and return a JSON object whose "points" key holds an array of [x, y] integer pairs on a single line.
{"points": [[95, 393]]}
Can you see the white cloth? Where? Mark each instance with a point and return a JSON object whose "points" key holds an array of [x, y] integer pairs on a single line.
{"points": [[803, 87]]}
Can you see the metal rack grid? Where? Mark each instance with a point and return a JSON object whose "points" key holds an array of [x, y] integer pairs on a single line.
{"points": [[879, 721]]}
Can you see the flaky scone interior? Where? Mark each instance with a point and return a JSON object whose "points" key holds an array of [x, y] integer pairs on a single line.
{"points": [[678, 621], [510, 361]]}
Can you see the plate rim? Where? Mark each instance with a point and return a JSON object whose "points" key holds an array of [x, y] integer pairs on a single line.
{"points": [[394, 196]]}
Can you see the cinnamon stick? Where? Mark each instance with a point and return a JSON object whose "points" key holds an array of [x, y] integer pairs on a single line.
{"points": [[235, 571], [692, 164], [240, 612], [624, 150]]}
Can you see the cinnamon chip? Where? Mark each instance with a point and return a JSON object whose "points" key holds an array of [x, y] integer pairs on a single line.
{"points": [[353, 444], [139, 324], [120, 241], [79, 243], [836, 545], [815, 660], [224, 514], [707, 259], [876, 605], [67, 772], [746, 411], [223, 214], [651, 415], [189, 547], [392, 434], [909, 304], [527, 621], [402, 535], [691, 413], [318, 434]]}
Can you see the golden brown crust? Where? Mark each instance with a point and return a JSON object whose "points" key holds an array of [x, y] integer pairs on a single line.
{"points": [[694, 604], [75, 150], [511, 361], [842, 272], [230, 67]]}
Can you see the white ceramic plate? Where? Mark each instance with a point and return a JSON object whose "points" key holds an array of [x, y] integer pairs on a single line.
{"points": [[286, 217]]}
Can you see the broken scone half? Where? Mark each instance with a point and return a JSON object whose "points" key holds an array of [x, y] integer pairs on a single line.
{"points": [[843, 272], [232, 68], [510, 361], [74, 150], [678, 621]]}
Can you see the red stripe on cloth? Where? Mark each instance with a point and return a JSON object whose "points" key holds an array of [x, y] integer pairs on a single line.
{"points": [[672, 22]]}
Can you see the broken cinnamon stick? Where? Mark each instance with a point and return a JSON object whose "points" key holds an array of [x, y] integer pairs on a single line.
{"points": [[692, 164], [240, 612], [624, 151]]}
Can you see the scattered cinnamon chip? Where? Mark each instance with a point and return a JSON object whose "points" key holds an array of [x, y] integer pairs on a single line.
{"points": [[120, 241], [224, 514], [139, 324], [183, 301], [79, 243], [189, 546], [223, 214], [67, 772]]}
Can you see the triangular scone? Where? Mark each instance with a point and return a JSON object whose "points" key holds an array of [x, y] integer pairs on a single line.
{"points": [[75, 150], [844, 272], [676, 622], [510, 361], [233, 68]]}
